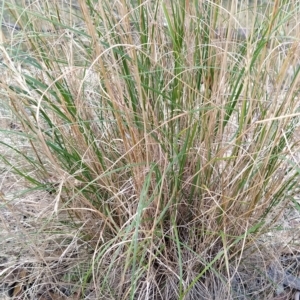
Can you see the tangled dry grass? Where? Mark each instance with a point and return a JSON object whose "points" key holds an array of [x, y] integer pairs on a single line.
{"points": [[144, 157]]}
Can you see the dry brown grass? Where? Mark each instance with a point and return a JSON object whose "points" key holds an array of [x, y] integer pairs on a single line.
{"points": [[142, 158]]}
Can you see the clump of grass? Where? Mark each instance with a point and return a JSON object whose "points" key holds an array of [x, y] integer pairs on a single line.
{"points": [[166, 144]]}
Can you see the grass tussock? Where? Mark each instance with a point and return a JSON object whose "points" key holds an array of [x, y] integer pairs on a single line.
{"points": [[155, 145]]}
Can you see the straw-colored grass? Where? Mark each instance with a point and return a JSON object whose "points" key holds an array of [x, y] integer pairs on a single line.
{"points": [[154, 148]]}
